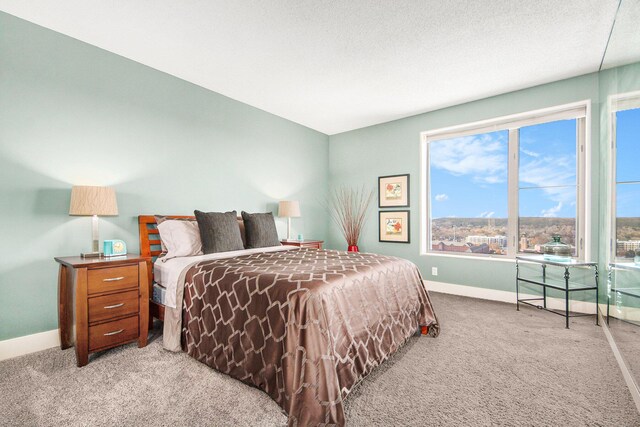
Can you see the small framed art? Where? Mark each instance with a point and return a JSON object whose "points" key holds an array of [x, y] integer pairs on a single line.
{"points": [[393, 191], [394, 226]]}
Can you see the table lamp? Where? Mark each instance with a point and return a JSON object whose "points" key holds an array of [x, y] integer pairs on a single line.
{"points": [[93, 201], [289, 209]]}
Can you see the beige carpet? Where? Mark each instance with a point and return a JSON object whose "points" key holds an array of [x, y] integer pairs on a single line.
{"points": [[627, 337], [490, 366]]}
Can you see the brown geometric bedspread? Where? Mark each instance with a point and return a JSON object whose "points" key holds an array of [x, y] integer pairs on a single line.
{"points": [[303, 325]]}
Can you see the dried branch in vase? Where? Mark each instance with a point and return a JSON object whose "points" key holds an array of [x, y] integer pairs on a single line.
{"points": [[348, 209]]}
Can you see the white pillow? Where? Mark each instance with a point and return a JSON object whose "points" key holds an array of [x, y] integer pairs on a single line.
{"points": [[181, 238]]}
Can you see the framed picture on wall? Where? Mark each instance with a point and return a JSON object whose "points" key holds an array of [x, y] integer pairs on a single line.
{"points": [[393, 191], [393, 226]]}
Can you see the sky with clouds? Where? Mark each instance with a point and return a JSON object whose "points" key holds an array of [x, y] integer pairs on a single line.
{"points": [[469, 174], [627, 167]]}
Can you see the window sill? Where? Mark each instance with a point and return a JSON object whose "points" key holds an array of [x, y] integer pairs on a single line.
{"points": [[473, 257]]}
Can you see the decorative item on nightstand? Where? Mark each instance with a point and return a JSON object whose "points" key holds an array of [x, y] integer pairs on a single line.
{"points": [[93, 201], [289, 209], [114, 248]]}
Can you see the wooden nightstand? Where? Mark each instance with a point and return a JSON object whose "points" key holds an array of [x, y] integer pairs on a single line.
{"points": [[108, 301], [317, 244]]}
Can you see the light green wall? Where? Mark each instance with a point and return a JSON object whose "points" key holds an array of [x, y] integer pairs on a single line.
{"points": [[71, 113], [358, 157]]}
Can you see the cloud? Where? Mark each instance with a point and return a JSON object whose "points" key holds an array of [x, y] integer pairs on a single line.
{"points": [[482, 156], [487, 214], [557, 174], [529, 153], [551, 212], [441, 197], [491, 179], [547, 171]]}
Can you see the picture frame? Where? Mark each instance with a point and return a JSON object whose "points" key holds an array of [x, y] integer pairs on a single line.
{"points": [[394, 226], [393, 191]]}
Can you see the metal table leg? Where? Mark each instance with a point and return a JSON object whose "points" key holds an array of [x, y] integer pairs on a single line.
{"points": [[609, 293], [597, 296], [517, 286], [544, 288], [566, 295]]}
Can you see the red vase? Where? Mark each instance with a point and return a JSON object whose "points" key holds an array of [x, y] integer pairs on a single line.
{"points": [[353, 248]]}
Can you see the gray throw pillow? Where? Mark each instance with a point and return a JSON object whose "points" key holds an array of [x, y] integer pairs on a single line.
{"points": [[260, 229], [219, 231]]}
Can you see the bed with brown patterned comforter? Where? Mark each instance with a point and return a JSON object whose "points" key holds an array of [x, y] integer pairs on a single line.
{"points": [[303, 325]]}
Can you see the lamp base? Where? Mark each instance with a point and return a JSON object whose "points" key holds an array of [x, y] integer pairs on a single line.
{"points": [[95, 241], [92, 255]]}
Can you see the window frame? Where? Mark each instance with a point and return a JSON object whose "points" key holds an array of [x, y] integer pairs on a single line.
{"points": [[580, 111], [617, 102]]}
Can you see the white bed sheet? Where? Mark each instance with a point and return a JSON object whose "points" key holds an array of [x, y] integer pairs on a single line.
{"points": [[167, 273]]}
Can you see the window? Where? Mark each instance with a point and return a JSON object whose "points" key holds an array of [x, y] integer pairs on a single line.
{"points": [[626, 176], [469, 193], [547, 185], [505, 186]]}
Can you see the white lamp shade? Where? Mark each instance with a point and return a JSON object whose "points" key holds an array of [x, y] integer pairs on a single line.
{"points": [[290, 209], [87, 201]]}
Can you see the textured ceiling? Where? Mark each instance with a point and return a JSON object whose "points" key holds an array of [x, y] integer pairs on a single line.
{"points": [[624, 45], [340, 65]]}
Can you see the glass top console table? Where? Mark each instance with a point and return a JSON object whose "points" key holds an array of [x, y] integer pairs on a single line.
{"points": [[564, 284], [619, 288]]}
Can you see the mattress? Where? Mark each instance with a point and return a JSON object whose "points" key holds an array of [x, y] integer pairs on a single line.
{"points": [[166, 273], [159, 293]]}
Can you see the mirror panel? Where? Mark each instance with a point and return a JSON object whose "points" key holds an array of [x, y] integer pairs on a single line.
{"points": [[620, 152]]}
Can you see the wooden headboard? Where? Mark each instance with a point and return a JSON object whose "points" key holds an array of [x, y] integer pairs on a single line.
{"points": [[149, 234], [150, 237]]}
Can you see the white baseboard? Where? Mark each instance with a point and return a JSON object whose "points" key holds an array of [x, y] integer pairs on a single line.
{"points": [[29, 344], [506, 296], [626, 373], [627, 313]]}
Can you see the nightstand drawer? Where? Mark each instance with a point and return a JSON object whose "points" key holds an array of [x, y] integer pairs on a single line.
{"points": [[113, 333], [114, 305], [112, 279]]}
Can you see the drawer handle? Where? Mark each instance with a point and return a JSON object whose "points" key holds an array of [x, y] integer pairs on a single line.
{"points": [[113, 279], [114, 306], [108, 334]]}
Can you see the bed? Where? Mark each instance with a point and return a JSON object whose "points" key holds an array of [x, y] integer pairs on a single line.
{"points": [[304, 325]]}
